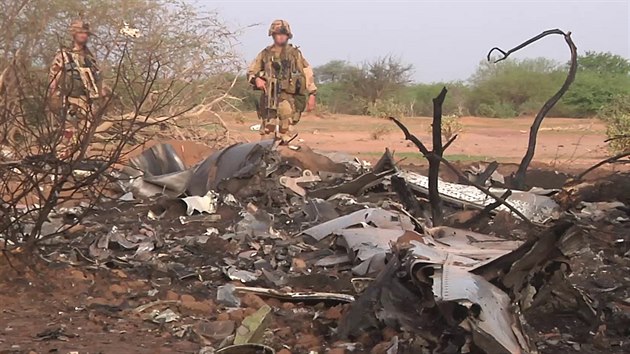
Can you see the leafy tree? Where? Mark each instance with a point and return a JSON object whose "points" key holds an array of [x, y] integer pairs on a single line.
{"points": [[378, 79], [513, 87], [601, 77], [333, 71], [603, 63]]}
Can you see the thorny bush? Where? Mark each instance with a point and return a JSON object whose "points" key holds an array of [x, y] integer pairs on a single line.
{"points": [[154, 80], [616, 114]]}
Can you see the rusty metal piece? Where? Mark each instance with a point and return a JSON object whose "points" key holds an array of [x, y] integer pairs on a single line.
{"points": [[292, 183]]}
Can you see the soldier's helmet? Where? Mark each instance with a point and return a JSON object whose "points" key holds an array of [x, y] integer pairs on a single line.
{"points": [[280, 27], [79, 26]]}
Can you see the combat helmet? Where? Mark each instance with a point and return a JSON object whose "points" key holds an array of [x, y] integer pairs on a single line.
{"points": [[280, 27], [79, 26]]}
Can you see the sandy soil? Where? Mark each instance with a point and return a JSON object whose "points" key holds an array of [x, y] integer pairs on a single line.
{"points": [[562, 141]]}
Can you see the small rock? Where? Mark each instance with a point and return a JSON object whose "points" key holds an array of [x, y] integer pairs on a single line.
{"points": [[76, 229], [119, 273], [333, 313], [389, 333], [336, 351], [298, 265], [76, 274], [217, 330], [171, 295], [117, 289], [237, 315], [308, 341], [289, 306], [252, 300], [380, 348], [191, 306], [284, 351], [99, 301], [226, 296]]}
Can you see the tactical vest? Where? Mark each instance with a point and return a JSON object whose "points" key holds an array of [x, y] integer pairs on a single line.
{"points": [[74, 84], [288, 67]]}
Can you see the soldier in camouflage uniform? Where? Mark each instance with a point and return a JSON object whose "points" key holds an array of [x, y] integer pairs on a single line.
{"points": [[285, 65], [75, 80]]}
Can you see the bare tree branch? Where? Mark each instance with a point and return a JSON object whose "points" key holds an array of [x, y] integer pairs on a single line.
{"points": [[602, 163], [459, 174], [519, 177]]}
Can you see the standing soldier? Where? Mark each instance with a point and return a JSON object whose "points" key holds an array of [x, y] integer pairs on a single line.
{"points": [[75, 81], [285, 78]]}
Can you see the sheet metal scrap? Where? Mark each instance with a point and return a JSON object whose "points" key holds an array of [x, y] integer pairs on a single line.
{"points": [[495, 326], [538, 208], [377, 217], [296, 295], [253, 326], [442, 261]]}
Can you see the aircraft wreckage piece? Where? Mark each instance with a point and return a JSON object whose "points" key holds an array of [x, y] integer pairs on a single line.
{"points": [[160, 170], [292, 183], [457, 270], [496, 325], [380, 218], [538, 208]]}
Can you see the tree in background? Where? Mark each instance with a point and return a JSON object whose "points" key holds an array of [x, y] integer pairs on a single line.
{"points": [[516, 87], [601, 78], [368, 89], [333, 71], [379, 78], [191, 44]]}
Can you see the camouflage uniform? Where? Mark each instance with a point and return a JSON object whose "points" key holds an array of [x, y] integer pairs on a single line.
{"points": [[295, 78], [69, 90]]}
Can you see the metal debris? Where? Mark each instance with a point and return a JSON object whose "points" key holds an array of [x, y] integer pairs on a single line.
{"points": [[246, 349], [226, 295], [376, 217], [206, 204], [166, 316], [539, 208], [253, 327], [296, 296], [293, 183]]}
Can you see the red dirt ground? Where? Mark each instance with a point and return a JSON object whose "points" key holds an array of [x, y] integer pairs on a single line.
{"points": [[95, 305]]}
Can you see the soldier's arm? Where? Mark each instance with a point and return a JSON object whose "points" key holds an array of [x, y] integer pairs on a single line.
{"points": [[256, 68], [309, 76], [54, 74]]}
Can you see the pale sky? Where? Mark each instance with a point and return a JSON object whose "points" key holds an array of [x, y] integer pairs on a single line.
{"points": [[444, 40]]}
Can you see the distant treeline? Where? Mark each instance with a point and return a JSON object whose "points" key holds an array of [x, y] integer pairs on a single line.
{"points": [[508, 89]]}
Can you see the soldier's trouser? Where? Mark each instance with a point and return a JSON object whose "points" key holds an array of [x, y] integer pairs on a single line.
{"points": [[79, 111], [287, 116]]}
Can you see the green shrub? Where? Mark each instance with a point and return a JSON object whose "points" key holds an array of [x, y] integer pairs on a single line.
{"points": [[496, 110], [451, 126], [616, 114], [386, 108], [380, 131]]}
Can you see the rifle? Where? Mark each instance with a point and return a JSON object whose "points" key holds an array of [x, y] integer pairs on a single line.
{"points": [[87, 78], [268, 105]]}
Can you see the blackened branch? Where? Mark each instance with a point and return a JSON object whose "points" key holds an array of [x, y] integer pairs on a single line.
{"points": [[519, 177], [434, 156]]}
